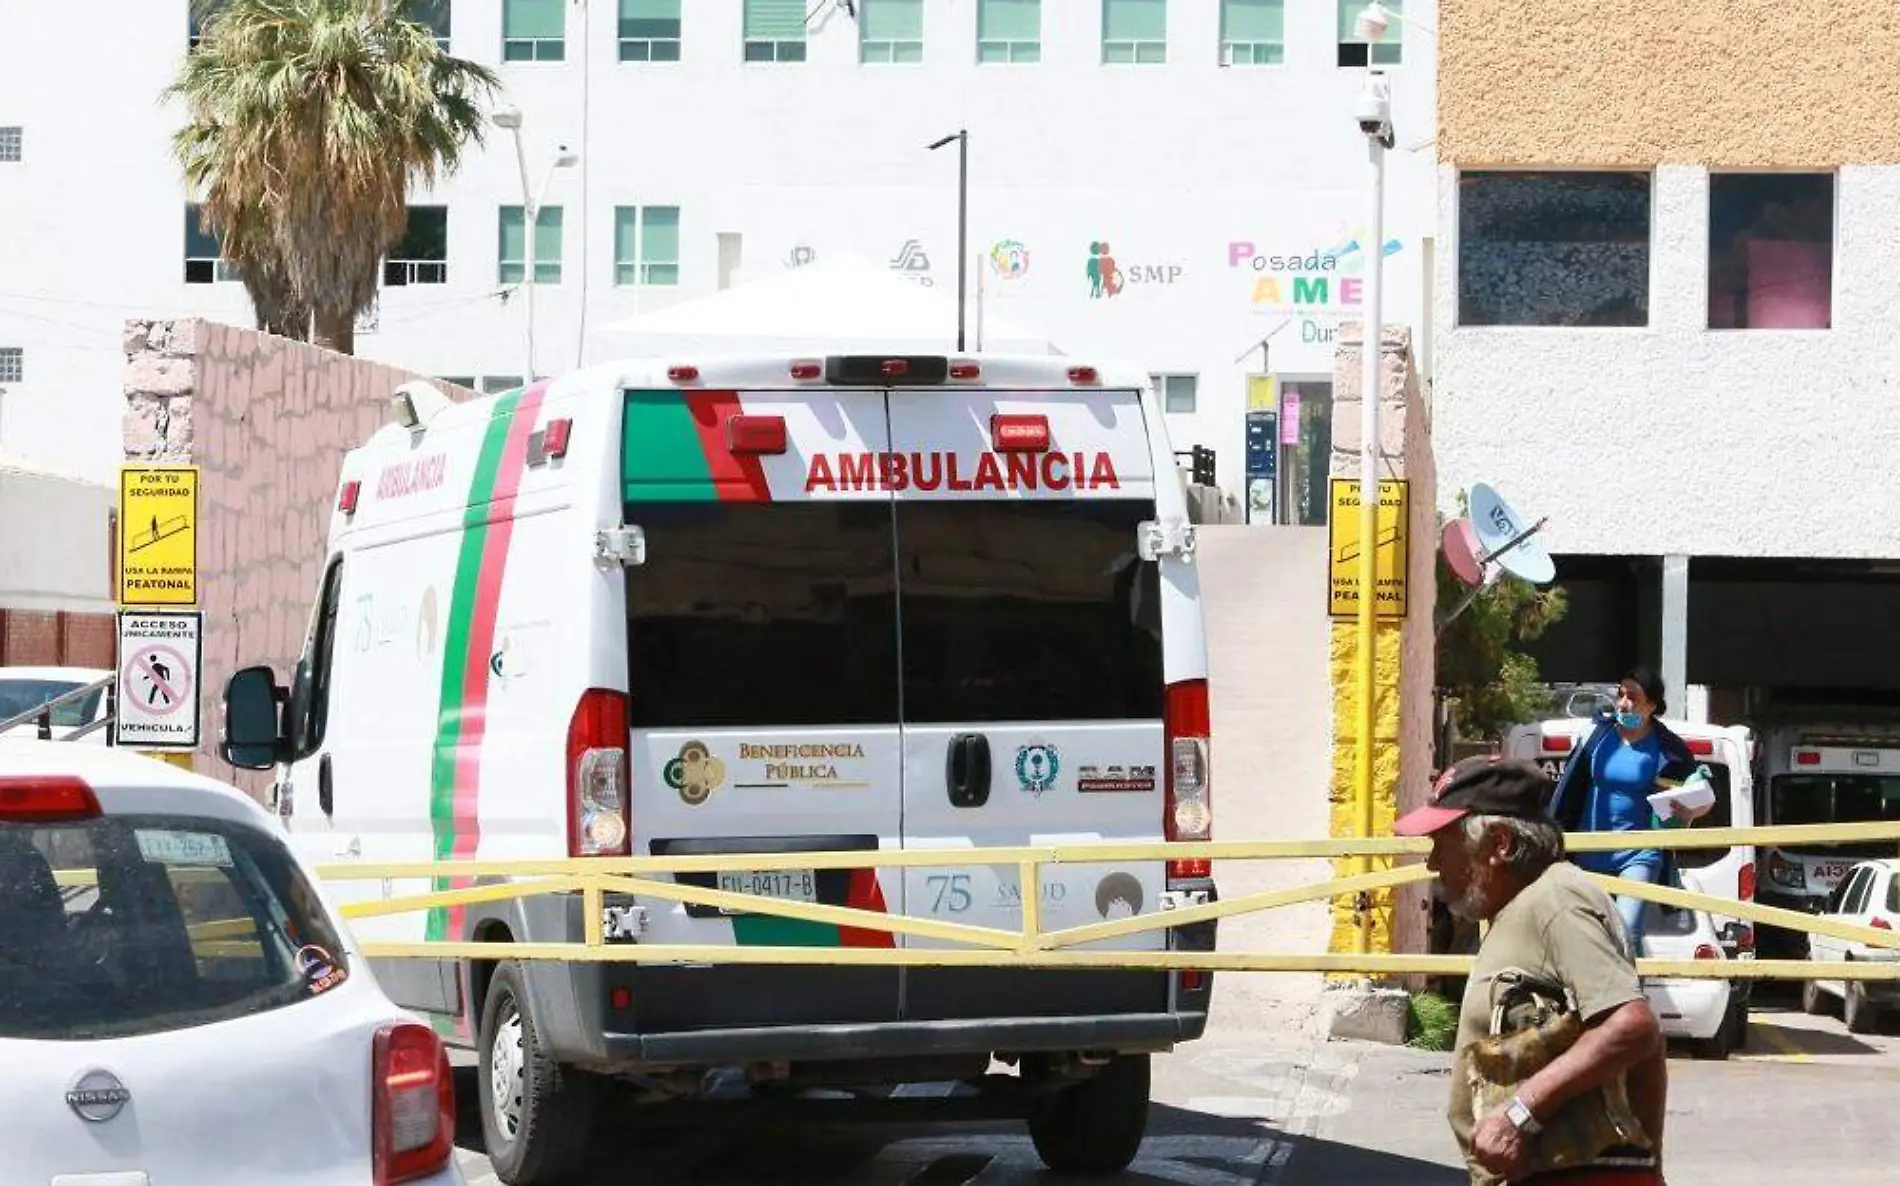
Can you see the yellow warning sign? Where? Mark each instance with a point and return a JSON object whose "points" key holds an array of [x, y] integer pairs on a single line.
{"points": [[158, 535], [1389, 562]]}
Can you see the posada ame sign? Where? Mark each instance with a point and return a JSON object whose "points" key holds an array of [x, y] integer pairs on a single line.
{"points": [[158, 535], [1389, 560], [160, 655]]}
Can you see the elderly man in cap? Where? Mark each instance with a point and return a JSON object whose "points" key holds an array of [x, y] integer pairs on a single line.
{"points": [[1561, 1072]]}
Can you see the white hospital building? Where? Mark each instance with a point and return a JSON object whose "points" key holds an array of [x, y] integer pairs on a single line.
{"points": [[1202, 151]]}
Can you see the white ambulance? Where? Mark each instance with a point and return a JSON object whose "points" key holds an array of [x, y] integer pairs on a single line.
{"points": [[765, 606]]}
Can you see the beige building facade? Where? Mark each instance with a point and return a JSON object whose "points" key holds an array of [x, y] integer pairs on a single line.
{"points": [[1667, 280]]}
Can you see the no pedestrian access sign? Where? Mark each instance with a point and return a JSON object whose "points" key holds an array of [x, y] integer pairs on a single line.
{"points": [[158, 535], [159, 658]]}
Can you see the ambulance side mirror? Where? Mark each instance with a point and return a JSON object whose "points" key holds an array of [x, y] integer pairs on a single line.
{"points": [[253, 736]]}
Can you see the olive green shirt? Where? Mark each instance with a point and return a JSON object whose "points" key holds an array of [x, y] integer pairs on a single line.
{"points": [[1562, 929]]}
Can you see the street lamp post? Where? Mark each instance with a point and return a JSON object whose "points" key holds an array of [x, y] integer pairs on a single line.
{"points": [[1373, 113], [509, 118], [962, 138]]}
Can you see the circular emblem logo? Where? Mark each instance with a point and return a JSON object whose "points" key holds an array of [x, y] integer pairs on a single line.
{"points": [[1118, 896], [1037, 765], [97, 1096], [695, 773], [1009, 259]]}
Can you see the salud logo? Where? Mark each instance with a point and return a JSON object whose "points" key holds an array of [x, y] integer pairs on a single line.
{"points": [[914, 262], [1108, 278], [1009, 259]]}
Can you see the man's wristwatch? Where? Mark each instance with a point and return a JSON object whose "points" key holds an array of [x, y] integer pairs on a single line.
{"points": [[1519, 1114]]}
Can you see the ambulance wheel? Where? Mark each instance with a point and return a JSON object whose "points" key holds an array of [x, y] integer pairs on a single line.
{"points": [[536, 1113], [1811, 998], [1096, 1126]]}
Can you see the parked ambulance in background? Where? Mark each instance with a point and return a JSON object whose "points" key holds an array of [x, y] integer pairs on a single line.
{"points": [[775, 605], [1822, 774]]}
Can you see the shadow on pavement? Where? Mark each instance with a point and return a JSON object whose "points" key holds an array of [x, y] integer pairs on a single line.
{"points": [[1329, 1163]]}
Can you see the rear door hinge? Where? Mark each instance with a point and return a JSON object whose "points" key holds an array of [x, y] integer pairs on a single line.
{"points": [[625, 546], [1167, 537]]}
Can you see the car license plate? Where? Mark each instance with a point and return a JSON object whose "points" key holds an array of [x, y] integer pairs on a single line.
{"points": [[790, 885]]}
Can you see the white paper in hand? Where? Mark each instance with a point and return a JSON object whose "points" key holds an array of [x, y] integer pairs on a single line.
{"points": [[1695, 795]]}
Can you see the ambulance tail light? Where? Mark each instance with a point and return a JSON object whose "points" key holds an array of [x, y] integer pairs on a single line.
{"points": [[556, 437], [347, 497], [1019, 434], [1807, 757], [1556, 743], [412, 1109], [806, 370], [878, 370], [756, 434], [599, 789], [1702, 747], [1188, 811], [966, 371], [1084, 376], [683, 374]]}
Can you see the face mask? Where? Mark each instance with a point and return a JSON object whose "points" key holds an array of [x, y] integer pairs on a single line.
{"points": [[1630, 720]]}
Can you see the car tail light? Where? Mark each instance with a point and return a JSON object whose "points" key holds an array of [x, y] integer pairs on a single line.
{"points": [[346, 497], [1189, 809], [1807, 757], [1701, 746], [598, 787], [46, 799], [1880, 924], [1556, 743], [1745, 883], [1708, 951], [756, 434], [1019, 434], [412, 1119]]}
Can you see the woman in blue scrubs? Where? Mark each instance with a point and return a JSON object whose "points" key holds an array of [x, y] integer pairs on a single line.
{"points": [[1606, 787]]}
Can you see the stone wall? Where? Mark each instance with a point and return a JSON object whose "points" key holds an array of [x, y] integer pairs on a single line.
{"points": [[267, 421], [1404, 655]]}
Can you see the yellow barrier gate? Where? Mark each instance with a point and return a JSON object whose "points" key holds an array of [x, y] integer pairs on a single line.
{"points": [[1033, 947]]}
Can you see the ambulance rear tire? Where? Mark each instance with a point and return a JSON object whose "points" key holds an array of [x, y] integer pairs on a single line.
{"points": [[536, 1113], [1095, 1127]]}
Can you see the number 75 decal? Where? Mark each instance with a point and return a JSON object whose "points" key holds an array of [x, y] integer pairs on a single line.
{"points": [[952, 892]]}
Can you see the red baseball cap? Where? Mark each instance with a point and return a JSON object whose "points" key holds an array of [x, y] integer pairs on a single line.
{"points": [[1484, 786]]}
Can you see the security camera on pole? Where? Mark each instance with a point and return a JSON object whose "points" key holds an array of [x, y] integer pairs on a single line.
{"points": [[1372, 111], [509, 118]]}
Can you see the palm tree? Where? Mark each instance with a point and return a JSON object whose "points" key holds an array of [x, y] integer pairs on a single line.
{"points": [[308, 122]]}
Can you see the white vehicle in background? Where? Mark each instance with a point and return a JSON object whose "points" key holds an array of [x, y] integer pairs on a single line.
{"points": [[767, 605], [1868, 896], [177, 1002], [78, 694], [1822, 774], [1712, 1013]]}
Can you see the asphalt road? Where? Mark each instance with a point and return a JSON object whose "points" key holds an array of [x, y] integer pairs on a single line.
{"points": [[1244, 1109]]}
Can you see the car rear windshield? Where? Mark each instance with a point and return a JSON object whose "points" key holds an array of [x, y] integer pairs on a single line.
{"points": [[24, 695], [137, 924], [841, 613]]}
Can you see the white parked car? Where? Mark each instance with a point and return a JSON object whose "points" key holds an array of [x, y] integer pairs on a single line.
{"points": [[23, 689], [1703, 1012], [179, 1004], [1868, 896]]}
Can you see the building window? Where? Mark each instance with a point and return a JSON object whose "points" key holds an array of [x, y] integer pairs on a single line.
{"points": [[547, 245], [1553, 249], [12, 364], [1252, 32], [891, 32], [423, 255], [1177, 392], [647, 245], [533, 30], [1771, 250], [198, 14], [774, 30], [496, 384], [1009, 31], [435, 15], [649, 30], [204, 257], [10, 144], [1135, 31], [1352, 51]]}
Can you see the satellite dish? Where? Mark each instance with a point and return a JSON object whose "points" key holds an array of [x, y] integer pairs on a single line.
{"points": [[1505, 541], [1461, 552]]}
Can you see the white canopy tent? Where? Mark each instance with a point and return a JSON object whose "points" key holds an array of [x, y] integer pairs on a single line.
{"points": [[845, 303]]}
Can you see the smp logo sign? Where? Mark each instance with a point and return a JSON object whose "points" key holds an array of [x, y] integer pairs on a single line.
{"points": [[1325, 279], [1108, 277]]}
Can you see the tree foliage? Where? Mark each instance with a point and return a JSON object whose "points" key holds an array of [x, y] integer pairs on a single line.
{"points": [[307, 122], [1489, 684]]}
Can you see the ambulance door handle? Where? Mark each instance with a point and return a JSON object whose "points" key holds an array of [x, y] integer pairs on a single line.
{"points": [[326, 788], [967, 770]]}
